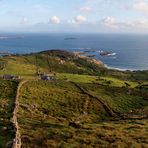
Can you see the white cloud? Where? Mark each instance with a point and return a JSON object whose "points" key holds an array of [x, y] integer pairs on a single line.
{"points": [[24, 20], [55, 20], [79, 19], [86, 9], [142, 23], [110, 22], [141, 6]]}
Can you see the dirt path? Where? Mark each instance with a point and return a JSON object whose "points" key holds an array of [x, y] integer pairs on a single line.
{"points": [[17, 139]]}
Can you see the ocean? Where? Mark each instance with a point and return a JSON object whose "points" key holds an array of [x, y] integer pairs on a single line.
{"points": [[130, 51]]}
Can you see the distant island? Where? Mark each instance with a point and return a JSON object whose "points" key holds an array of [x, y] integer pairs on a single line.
{"points": [[70, 38], [10, 37]]}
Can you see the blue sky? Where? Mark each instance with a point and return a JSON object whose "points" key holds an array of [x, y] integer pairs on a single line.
{"points": [[89, 16]]}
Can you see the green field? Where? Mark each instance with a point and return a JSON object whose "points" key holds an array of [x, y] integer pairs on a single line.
{"points": [[7, 98], [46, 109], [96, 79], [118, 98], [18, 66]]}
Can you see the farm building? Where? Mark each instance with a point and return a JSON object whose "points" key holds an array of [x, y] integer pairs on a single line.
{"points": [[10, 77], [47, 77]]}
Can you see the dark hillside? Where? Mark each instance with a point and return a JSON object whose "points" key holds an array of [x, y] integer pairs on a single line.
{"points": [[7, 102]]}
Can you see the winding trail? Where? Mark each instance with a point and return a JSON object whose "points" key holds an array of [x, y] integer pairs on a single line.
{"points": [[17, 140]]}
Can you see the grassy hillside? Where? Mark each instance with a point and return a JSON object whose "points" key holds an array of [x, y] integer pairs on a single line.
{"points": [[18, 65], [104, 80], [138, 76], [57, 61], [7, 98], [47, 108], [49, 61], [86, 105], [121, 100]]}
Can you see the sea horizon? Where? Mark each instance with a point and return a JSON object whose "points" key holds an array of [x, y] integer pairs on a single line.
{"points": [[131, 49]]}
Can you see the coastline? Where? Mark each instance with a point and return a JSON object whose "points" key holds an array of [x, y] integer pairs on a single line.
{"points": [[123, 69], [79, 54], [120, 69], [100, 62]]}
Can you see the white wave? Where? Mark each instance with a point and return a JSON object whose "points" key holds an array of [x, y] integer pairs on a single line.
{"points": [[112, 54], [120, 69]]}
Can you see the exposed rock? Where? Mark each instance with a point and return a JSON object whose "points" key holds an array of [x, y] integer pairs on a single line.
{"points": [[74, 124], [4, 128]]}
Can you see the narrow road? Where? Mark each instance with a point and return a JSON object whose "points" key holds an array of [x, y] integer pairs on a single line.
{"points": [[17, 139]]}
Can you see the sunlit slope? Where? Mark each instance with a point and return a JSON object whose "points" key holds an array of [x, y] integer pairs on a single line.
{"points": [[49, 61], [47, 109]]}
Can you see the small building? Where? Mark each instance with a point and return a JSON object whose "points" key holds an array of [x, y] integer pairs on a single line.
{"points": [[10, 77], [47, 77]]}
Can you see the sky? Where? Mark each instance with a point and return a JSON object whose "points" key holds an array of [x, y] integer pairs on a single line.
{"points": [[69, 16]]}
